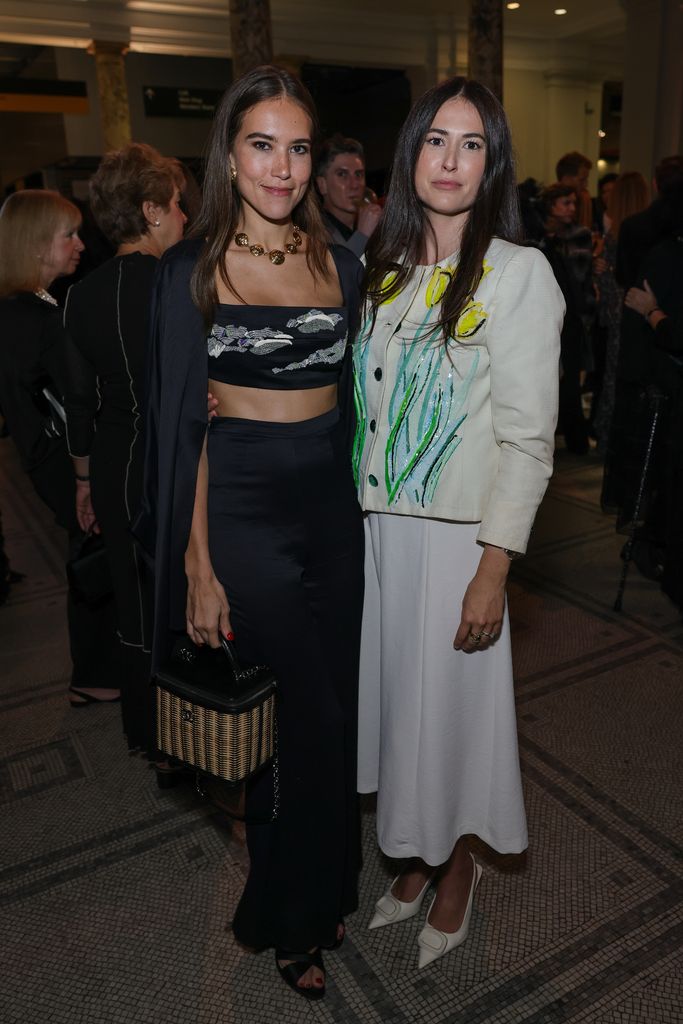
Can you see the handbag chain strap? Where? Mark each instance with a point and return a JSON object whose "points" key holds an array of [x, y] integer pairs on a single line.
{"points": [[276, 775], [276, 788]]}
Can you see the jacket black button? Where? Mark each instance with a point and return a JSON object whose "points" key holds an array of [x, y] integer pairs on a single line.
{"points": [[372, 480], [378, 373], [373, 424]]}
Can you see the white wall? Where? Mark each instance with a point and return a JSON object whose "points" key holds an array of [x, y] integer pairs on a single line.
{"points": [[525, 104]]}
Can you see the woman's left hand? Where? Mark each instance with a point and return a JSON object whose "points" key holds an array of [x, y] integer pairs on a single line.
{"points": [[641, 299], [484, 603]]}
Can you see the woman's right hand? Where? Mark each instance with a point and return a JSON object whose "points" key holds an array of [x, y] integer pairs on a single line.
{"points": [[85, 514], [208, 611]]}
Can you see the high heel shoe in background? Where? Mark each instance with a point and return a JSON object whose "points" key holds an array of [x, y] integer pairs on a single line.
{"points": [[389, 910], [434, 943]]}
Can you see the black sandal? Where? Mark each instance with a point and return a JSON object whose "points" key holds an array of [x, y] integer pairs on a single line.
{"points": [[292, 973]]}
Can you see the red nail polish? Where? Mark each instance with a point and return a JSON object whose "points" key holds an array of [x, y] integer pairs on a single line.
{"points": [[229, 636]]}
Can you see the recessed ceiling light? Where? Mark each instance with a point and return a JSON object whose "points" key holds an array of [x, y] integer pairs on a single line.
{"points": [[601, 133], [513, 7], [560, 10]]}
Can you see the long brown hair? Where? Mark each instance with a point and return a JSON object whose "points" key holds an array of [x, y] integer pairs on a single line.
{"points": [[221, 204], [629, 195], [398, 243], [29, 221]]}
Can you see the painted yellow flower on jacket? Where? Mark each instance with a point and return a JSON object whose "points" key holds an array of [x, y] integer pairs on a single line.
{"points": [[387, 284], [439, 281], [470, 320]]}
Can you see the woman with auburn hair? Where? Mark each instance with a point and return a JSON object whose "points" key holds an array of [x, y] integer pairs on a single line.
{"points": [[135, 197], [39, 243], [254, 521], [629, 195], [456, 383]]}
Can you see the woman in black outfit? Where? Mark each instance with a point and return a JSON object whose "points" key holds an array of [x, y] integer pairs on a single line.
{"points": [[258, 526], [135, 197], [39, 243]]}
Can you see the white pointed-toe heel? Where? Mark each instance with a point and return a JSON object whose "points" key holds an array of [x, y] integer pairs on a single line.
{"points": [[389, 910], [434, 943]]}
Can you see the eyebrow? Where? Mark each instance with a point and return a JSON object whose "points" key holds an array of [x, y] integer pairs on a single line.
{"points": [[272, 138], [465, 135]]}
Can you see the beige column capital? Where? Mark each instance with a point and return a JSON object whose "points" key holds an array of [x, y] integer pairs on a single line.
{"points": [[112, 90], [107, 48]]}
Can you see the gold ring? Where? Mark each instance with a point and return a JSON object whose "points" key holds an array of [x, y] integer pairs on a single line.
{"points": [[474, 638], [491, 636]]}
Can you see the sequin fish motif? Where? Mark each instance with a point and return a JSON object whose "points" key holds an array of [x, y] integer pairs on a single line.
{"points": [[314, 321], [333, 354], [239, 339]]}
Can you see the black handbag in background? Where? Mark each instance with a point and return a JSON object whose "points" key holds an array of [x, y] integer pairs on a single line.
{"points": [[213, 715], [88, 571]]}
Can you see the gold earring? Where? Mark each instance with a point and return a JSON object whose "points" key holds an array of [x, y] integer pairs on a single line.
{"points": [[157, 223], [233, 175]]}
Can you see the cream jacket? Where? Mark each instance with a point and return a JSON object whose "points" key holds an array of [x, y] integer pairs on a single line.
{"points": [[463, 434]]}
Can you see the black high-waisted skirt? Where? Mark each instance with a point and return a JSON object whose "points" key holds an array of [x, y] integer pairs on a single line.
{"points": [[286, 542]]}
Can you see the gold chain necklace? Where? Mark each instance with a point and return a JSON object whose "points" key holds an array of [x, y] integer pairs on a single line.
{"points": [[276, 256]]}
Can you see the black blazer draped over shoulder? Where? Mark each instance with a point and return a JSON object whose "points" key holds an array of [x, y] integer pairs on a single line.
{"points": [[176, 423]]}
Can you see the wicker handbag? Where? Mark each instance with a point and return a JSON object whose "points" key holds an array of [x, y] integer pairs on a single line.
{"points": [[214, 715]]}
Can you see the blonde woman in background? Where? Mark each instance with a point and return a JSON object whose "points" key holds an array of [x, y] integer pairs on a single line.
{"points": [[39, 243]]}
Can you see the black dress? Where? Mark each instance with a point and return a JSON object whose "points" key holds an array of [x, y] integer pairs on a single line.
{"points": [[285, 539], [107, 320], [32, 357]]}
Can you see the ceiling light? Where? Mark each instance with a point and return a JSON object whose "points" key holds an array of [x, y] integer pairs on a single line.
{"points": [[560, 10], [601, 133], [513, 7]]}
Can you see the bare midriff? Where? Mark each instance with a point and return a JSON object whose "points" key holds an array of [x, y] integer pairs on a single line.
{"points": [[273, 406]]}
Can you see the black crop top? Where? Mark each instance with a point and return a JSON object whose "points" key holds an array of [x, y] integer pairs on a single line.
{"points": [[277, 347]]}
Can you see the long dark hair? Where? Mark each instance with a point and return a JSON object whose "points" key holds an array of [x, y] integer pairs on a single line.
{"points": [[398, 244], [221, 204]]}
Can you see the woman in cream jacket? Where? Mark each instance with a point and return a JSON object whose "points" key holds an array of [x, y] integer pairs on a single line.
{"points": [[456, 398]]}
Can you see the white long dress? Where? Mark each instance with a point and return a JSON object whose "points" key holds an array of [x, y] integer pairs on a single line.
{"points": [[437, 729], [453, 449]]}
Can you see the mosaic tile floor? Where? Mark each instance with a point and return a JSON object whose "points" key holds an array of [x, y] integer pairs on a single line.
{"points": [[115, 896]]}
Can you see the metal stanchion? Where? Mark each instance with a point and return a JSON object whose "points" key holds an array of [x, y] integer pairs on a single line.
{"points": [[655, 401]]}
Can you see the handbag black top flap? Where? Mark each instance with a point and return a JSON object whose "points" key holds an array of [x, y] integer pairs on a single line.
{"points": [[201, 675]]}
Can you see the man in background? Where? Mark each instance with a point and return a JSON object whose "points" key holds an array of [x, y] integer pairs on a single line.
{"points": [[573, 169], [340, 178]]}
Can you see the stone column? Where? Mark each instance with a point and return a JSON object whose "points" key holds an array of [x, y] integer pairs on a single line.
{"points": [[250, 34], [113, 94], [485, 50], [652, 114]]}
